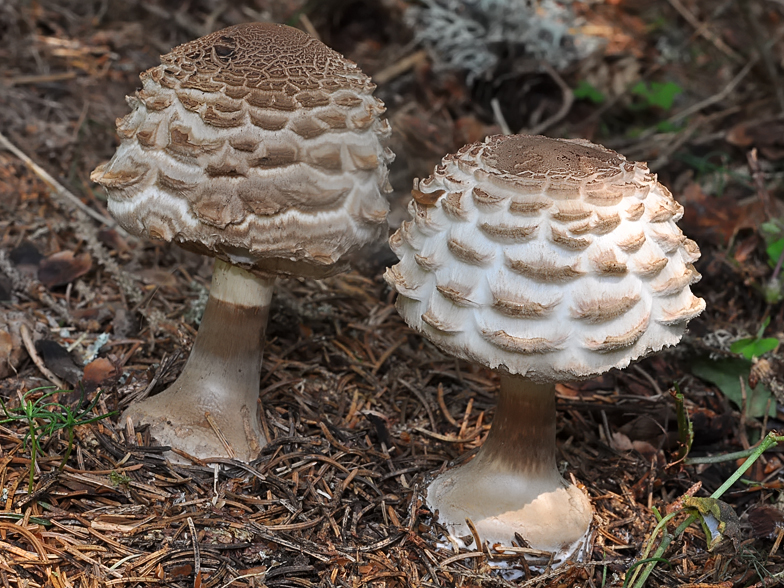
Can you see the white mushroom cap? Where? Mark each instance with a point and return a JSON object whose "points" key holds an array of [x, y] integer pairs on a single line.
{"points": [[550, 258], [256, 144]]}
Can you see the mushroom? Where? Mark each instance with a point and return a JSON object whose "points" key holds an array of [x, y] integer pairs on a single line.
{"points": [[262, 147], [546, 260]]}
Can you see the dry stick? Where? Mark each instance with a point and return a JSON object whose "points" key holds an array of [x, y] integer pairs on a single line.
{"points": [[759, 181], [681, 139], [701, 29], [654, 384], [196, 554], [39, 79], [686, 134], [444, 408], [39, 363], [475, 534], [400, 67], [219, 434], [719, 96], [498, 115], [422, 400], [702, 104], [387, 354], [566, 106], [56, 188], [309, 28], [86, 231], [777, 543], [763, 50], [180, 17]]}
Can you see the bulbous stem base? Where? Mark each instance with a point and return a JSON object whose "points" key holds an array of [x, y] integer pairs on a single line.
{"points": [[220, 380], [512, 485]]}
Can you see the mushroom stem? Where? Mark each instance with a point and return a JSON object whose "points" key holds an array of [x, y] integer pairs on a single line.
{"points": [[512, 485], [217, 392], [522, 438]]}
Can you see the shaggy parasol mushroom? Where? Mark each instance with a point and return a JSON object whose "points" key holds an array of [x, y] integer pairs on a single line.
{"points": [[547, 260], [262, 147]]}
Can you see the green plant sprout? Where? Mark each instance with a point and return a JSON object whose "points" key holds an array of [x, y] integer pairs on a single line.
{"points": [[656, 94], [119, 479], [717, 518], [772, 232], [586, 91], [731, 376], [751, 347], [685, 428], [45, 418]]}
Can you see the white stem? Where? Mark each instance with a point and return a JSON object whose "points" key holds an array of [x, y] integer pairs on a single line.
{"points": [[512, 485], [221, 377]]}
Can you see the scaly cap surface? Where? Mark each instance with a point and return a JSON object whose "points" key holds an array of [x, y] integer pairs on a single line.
{"points": [[551, 258], [256, 144]]}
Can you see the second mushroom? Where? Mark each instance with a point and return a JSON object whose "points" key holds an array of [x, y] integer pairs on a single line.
{"points": [[262, 147], [546, 260]]}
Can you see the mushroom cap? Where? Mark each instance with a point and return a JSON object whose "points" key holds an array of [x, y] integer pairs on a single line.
{"points": [[257, 144], [551, 258]]}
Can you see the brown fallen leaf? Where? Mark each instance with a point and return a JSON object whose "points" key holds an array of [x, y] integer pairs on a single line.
{"points": [[713, 219], [12, 350], [765, 521], [158, 277], [621, 442], [63, 267], [99, 372], [766, 136], [26, 258], [113, 240], [6, 287], [648, 451], [7, 346], [58, 360]]}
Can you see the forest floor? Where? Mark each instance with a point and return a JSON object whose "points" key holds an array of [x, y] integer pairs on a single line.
{"points": [[361, 411]]}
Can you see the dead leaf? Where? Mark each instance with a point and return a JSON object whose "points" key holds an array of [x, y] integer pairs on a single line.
{"points": [[158, 277], [765, 521], [58, 360], [99, 372], [182, 571], [739, 135], [5, 288], [113, 240], [7, 347], [565, 391], [12, 349], [621, 442], [711, 218], [26, 258], [746, 248], [648, 451], [62, 268], [766, 136]]}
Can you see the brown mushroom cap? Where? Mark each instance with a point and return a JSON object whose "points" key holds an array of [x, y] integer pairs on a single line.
{"points": [[549, 258], [256, 144]]}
